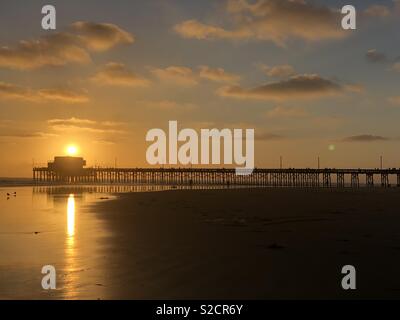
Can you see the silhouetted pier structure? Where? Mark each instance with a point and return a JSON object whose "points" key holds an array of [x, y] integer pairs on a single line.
{"points": [[212, 176]]}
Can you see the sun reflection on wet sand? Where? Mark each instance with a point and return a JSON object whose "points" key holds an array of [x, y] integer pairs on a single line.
{"points": [[71, 217], [70, 252]]}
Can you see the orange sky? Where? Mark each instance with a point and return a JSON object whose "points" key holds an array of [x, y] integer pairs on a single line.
{"points": [[111, 72]]}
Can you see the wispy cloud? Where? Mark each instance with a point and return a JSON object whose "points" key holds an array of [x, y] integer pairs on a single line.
{"points": [[281, 71], [12, 91], [63, 95], [85, 125], [375, 56], [299, 86], [117, 74], [167, 105], [394, 100], [377, 10], [218, 75], [71, 121], [176, 75], [365, 138], [267, 136], [12, 133], [286, 112]]}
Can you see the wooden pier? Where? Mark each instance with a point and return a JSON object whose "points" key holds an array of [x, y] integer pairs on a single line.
{"points": [[202, 176]]}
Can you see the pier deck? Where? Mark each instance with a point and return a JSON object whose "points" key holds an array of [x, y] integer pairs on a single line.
{"points": [[195, 176]]}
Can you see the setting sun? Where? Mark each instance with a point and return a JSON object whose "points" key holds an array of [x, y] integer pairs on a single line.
{"points": [[72, 150]]}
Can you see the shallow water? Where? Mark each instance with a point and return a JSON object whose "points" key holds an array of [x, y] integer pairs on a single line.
{"points": [[50, 226], [55, 226]]}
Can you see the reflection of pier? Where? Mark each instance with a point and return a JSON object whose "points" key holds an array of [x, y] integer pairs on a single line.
{"points": [[201, 176]]}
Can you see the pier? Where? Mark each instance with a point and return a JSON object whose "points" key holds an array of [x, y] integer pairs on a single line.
{"points": [[72, 170]]}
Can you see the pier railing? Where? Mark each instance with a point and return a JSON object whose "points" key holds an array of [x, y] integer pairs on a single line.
{"points": [[212, 176]]}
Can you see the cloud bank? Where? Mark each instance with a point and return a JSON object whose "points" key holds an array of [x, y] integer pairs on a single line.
{"points": [[64, 47], [272, 20], [296, 87]]}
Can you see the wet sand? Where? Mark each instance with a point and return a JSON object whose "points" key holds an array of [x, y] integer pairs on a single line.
{"points": [[252, 243]]}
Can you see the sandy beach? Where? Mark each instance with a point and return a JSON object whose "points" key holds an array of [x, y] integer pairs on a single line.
{"points": [[251, 243]]}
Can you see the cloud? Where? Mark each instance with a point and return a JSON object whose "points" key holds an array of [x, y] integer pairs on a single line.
{"points": [[266, 136], [217, 75], [193, 29], [394, 100], [63, 95], [296, 87], [85, 125], [25, 134], [117, 74], [377, 10], [61, 48], [285, 112], [167, 105], [12, 129], [273, 20], [187, 77], [101, 36], [375, 56], [104, 142], [354, 87], [5, 122], [177, 75], [71, 121], [56, 49], [282, 71], [12, 91], [365, 138]]}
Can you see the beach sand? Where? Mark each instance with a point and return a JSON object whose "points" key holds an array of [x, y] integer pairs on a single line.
{"points": [[260, 243]]}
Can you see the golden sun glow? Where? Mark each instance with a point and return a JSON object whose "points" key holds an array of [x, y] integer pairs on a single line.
{"points": [[72, 150], [71, 215]]}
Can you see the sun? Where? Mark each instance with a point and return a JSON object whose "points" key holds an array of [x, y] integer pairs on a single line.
{"points": [[72, 150]]}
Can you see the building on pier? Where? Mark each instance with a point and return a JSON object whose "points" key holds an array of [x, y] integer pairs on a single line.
{"points": [[62, 169]]}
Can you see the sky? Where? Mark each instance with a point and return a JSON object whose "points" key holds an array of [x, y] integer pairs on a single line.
{"points": [[113, 70]]}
